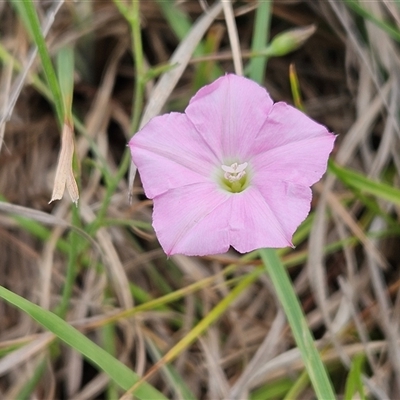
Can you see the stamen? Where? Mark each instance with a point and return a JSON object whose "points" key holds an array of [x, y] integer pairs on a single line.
{"points": [[234, 172]]}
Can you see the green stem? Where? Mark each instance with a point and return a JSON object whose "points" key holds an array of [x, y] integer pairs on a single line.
{"points": [[72, 267], [45, 58], [139, 65], [111, 188], [297, 321], [133, 17]]}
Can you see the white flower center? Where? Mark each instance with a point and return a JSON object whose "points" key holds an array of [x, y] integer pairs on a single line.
{"points": [[234, 172]]}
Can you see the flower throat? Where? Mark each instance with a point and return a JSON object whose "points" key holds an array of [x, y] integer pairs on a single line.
{"points": [[235, 178]]}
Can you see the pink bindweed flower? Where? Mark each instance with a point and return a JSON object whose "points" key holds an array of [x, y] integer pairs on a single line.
{"points": [[234, 170]]}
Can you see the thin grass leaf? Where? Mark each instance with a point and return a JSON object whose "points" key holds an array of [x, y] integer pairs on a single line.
{"points": [[258, 65], [117, 371], [27, 390], [390, 29], [181, 25], [174, 379], [295, 88], [65, 73], [29, 16], [72, 268], [297, 321], [108, 333], [360, 182], [207, 71], [302, 382], [198, 330], [354, 380], [178, 21], [274, 390]]}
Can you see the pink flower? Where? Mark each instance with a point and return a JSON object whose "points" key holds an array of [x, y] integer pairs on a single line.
{"points": [[234, 170]]}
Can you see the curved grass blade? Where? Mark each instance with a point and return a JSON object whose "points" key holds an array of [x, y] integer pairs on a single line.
{"points": [[301, 333], [117, 371], [364, 184], [390, 29], [29, 16]]}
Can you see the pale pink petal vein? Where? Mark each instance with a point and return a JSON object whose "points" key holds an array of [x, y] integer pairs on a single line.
{"points": [[234, 170]]}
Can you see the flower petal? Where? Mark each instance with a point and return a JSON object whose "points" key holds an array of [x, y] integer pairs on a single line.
{"points": [[302, 162], [255, 224], [228, 114], [285, 124], [291, 146], [193, 220], [170, 153], [289, 202], [202, 220]]}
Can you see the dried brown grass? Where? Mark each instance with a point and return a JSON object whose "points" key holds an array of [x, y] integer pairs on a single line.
{"points": [[350, 297]]}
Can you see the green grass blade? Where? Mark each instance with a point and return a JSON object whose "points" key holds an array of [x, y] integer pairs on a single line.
{"points": [[390, 29], [206, 70], [175, 381], [29, 16], [109, 339], [117, 371], [65, 72], [295, 316], [260, 38], [360, 182], [295, 88], [272, 391], [72, 268], [354, 380], [27, 390], [302, 382], [181, 25], [177, 19]]}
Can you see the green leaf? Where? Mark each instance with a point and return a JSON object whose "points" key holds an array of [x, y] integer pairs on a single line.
{"points": [[366, 185], [65, 72], [26, 391], [117, 371], [390, 29], [175, 381], [298, 323], [354, 380], [28, 14], [272, 391], [258, 65]]}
